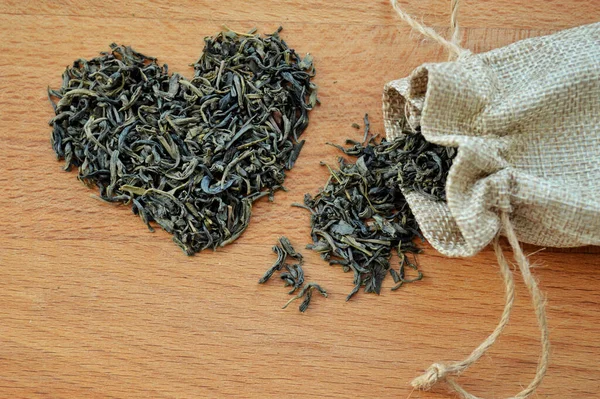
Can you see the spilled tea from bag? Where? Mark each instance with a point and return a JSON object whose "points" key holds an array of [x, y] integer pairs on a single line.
{"points": [[361, 215]]}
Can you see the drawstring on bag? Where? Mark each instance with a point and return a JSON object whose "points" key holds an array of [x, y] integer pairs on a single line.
{"points": [[451, 45], [438, 372]]}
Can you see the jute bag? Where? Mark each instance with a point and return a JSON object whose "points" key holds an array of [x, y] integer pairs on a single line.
{"points": [[526, 121]]}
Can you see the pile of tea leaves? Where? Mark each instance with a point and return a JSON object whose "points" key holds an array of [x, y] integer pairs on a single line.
{"points": [[361, 216], [190, 155]]}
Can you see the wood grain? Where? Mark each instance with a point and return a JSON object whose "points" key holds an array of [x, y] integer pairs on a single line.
{"points": [[93, 305]]}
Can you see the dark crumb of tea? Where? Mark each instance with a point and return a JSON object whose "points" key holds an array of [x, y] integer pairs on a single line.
{"points": [[190, 155], [361, 215], [294, 275]]}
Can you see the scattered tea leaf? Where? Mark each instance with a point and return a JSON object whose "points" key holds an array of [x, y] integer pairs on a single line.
{"points": [[294, 274], [306, 292]]}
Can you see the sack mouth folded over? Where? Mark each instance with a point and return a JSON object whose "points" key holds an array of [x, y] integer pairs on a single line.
{"points": [[526, 121]]}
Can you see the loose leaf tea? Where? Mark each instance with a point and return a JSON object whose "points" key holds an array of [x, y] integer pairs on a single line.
{"points": [[293, 276], [283, 250], [423, 166], [277, 266], [190, 155], [306, 293], [361, 214]]}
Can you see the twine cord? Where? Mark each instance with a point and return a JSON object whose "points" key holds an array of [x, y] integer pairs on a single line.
{"points": [[451, 45], [539, 305], [441, 372], [437, 371], [454, 22]]}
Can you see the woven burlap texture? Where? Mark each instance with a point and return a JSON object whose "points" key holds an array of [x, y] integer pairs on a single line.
{"points": [[526, 121]]}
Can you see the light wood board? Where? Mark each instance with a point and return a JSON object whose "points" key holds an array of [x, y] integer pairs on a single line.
{"points": [[92, 305]]}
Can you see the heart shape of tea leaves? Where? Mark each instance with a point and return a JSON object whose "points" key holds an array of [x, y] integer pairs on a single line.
{"points": [[190, 155]]}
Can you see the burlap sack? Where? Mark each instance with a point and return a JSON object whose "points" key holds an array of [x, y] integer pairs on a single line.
{"points": [[526, 121]]}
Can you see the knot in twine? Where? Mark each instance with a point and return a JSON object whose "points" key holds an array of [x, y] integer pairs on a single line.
{"points": [[438, 372], [427, 380]]}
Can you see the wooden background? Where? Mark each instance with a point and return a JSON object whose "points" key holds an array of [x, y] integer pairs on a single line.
{"points": [[92, 305]]}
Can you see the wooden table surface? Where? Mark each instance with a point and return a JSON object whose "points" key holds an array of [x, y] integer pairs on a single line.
{"points": [[93, 305]]}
